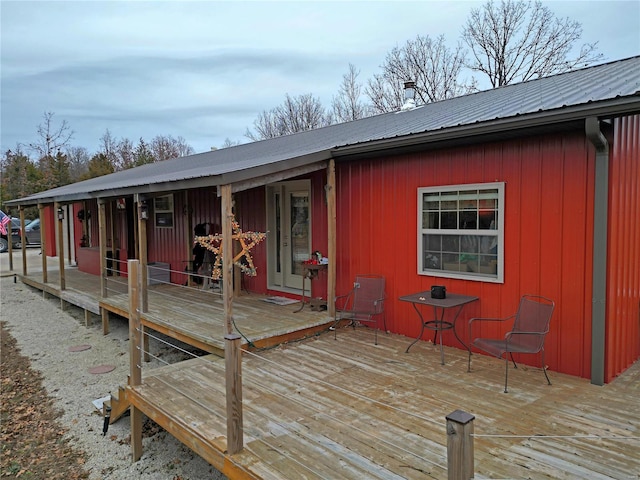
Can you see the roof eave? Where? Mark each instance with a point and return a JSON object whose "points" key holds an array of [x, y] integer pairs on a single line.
{"points": [[607, 109]]}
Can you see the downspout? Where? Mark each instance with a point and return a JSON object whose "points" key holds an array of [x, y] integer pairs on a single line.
{"points": [[600, 232]]}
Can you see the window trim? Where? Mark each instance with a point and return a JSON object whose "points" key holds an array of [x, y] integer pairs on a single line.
{"points": [[473, 276], [163, 211]]}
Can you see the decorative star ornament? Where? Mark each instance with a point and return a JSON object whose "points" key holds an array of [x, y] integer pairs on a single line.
{"points": [[243, 259]]}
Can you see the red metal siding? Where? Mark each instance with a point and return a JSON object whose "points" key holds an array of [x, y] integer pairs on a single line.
{"points": [[548, 241], [623, 287]]}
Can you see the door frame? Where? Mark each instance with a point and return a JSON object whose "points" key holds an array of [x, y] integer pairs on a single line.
{"points": [[279, 243]]}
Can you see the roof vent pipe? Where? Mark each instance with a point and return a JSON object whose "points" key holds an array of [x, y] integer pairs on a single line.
{"points": [[409, 96]]}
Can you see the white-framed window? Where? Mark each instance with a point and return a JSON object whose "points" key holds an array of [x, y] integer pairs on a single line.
{"points": [[461, 231], [163, 211]]}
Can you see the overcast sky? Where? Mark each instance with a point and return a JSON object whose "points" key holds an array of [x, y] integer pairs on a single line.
{"points": [[204, 70]]}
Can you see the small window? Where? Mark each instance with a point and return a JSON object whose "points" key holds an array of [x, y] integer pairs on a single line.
{"points": [[461, 231], [163, 211]]}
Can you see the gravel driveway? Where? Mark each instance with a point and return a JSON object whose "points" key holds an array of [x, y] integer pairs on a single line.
{"points": [[45, 333]]}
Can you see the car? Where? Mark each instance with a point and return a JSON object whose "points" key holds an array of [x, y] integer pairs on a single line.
{"points": [[15, 236], [32, 232]]}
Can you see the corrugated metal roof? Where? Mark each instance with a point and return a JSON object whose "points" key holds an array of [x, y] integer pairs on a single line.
{"points": [[615, 85]]}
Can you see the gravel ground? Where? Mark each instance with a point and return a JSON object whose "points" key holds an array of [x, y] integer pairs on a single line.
{"points": [[44, 334]]}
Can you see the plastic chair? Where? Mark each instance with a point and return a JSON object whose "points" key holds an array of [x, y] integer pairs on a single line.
{"points": [[364, 303], [530, 328]]}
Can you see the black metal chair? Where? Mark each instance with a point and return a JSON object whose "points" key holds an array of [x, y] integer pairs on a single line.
{"points": [[530, 328], [363, 304]]}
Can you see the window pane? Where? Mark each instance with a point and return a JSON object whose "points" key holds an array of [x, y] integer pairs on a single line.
{"points": [[449, 220], [468, 220], [431, 202], [488, 244], [433, 242], [487, 220], [469, 201], [431, 220], [449, 201], [451, 243]]}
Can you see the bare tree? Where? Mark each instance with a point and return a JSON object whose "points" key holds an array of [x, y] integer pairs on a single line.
{"points": [[167, 147], [429, 63], [125, 154], [230, 143], [109, 148], [518, 40], [52, 139], [347, 105], [78, 158], [296, 114]]}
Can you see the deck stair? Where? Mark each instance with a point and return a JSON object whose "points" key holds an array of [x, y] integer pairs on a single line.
{"points": [[119, 404]]}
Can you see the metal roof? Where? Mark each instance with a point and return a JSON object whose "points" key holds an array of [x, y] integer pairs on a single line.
{"points": [[606, 90]]}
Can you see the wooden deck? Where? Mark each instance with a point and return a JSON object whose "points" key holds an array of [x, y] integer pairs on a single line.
{"points": [[190, 315], [348, 409]]}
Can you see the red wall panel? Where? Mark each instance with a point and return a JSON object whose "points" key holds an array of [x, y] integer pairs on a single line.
{"points": [[548, 245], [623, 287]]}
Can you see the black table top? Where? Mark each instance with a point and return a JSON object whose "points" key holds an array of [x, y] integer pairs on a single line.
{"points": [[452, 300]]}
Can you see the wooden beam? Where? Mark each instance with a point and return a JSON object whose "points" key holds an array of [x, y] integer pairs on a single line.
{"points": [[143, 212], [227, 257], [188, 227], [58, 211], [135, 327], [115, 266], [43, 242], [232, 351], [331, 234], [102, 231], [69, 215]]}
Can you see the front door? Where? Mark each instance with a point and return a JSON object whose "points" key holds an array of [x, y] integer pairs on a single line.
{"points": [[289, 221]]}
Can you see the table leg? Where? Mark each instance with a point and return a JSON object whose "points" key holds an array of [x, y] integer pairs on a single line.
{"points": [[421, 329], [454, 327], [440, 327], [304, 277]]}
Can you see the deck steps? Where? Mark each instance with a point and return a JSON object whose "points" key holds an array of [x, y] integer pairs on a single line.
{"points": [[119, 404]]}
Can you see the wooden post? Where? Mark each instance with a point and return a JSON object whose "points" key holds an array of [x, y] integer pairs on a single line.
{"points": [[460, 461], [227, 257], [135, 357], [43, 243], [59, 212], [23, 242], [102, 233], [115, 266], [102, 229], [188, 226], [233, 379], [143, 212], [331, 240], [232, 350], [69, 222]]}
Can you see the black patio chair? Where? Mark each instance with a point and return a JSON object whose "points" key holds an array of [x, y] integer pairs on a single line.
{"points": [[363, 304], [530, 328]]}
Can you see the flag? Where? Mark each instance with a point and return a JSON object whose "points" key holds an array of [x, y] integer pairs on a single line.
{"points": [[4, 221]]}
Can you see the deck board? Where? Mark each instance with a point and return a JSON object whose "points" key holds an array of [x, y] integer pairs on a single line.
{"points": [[193, 316], [346, 408]]}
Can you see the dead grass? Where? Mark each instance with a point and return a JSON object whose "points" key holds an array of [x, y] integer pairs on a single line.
{"points": [[33, 443]]}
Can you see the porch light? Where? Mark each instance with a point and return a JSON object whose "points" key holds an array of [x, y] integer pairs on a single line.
{"points": [[144, 210], [60, 213]]}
